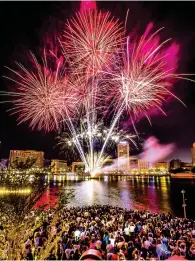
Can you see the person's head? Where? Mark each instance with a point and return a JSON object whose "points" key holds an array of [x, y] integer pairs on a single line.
{"points": [[130, 244], [183, 245], [136, 251], [158, 241], [27, 247], [164, 240], [121, 256]]}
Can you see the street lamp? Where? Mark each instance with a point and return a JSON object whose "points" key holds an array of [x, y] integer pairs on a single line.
{"points": [[184, 203]]}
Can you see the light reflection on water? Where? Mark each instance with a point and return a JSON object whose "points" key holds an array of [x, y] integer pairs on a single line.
{"points": [[154, 193]]}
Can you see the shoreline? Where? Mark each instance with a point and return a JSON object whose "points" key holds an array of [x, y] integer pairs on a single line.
{"points": [[182, 175]]}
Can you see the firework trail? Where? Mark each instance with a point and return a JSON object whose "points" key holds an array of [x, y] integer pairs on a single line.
{"points": [[99, 133], [95, 168]]}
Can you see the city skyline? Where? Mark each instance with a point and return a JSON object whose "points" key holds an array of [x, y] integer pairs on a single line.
{"points": [[121, 153], [166, 129]]}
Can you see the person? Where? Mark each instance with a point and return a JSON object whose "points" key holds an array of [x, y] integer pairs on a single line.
{"points": [[121, 255], [131, 229], [76, 255], [29, 256], [192, 252], [127, 233], [136, 254], [110, 247], [130, 250]]}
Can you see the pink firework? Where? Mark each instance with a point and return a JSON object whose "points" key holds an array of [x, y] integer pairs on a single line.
{"points": [[91, 38], [144, 76], [43, 98]]}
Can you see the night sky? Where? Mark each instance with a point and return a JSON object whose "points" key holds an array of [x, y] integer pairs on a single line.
{"points": [[24, 26]]}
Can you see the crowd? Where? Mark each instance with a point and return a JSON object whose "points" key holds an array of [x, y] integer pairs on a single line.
{"points": [[116, 233]]}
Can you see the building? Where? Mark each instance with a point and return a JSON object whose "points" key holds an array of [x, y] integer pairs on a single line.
{"points": [[161, 166], [123, 156], [123, 149], [58, 166], [23, 155], [186, 166], [78, 167], [133, 161], [175, 164], [193, 154], [46, 163], [143, 165]]}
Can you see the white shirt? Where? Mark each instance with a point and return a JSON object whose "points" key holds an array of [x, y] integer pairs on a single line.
{"points": [[112, 241], [132, 228], [126, 230]]}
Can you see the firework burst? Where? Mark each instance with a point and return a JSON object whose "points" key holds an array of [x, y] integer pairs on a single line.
{"points": [[142, 80], [91, 38], [43, 98]]}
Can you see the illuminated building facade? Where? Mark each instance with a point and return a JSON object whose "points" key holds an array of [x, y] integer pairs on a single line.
{"points": [[143, 165], [161, 166], [23, 155], [58, 166], [78, 167], [133, 161], [186, 166], [123, 152], [193, 154]]}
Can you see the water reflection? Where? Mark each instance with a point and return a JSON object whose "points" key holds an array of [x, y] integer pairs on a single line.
{"points": [[154, 193]]}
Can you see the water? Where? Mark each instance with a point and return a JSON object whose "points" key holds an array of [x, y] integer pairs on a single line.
{"points": [[162, 194]]}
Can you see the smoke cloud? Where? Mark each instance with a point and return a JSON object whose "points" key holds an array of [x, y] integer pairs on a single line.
{"points": [[154, 152]]}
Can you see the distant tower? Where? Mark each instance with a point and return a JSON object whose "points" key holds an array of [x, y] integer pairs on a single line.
{"points": [[193, 154], [123, 152]]}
